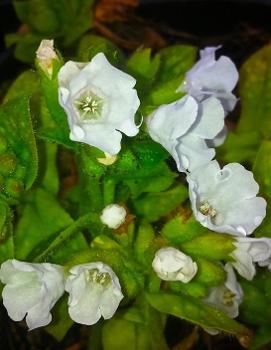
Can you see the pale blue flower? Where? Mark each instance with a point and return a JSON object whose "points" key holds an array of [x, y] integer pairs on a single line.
{"points": [[211, 77]]}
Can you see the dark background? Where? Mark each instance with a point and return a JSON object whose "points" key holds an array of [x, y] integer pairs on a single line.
{"points": [[241, 26]]}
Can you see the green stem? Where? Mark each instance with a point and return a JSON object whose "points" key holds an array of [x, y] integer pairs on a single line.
{"points": [[80, 224], [109, 186]]}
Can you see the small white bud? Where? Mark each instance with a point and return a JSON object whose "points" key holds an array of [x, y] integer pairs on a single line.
{"points": [[113, 215], [45, 56], [171, 264]]}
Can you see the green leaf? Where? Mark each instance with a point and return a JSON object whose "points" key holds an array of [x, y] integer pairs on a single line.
{"points": [[117, 333], [6, 249], [26, 45], [195, 311], [212, 246], [157, 182], [143, 159], [255, 93], [6, 232], [154, 206], [41, 220], [26, 84], [143, 246], [66, 19], [240, 147], [262, 337], [143, 68], [22, 153], [38, 15], [209, 273], [175, 62], [61, 322], [255, 307], [90, 45], [262, 167], [140, 326], [77, 18], [194, 289], [182, 228]]}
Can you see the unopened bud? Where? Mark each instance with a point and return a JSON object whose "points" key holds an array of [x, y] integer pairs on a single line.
{"points": [[113, 216], [170, 264], [46, 55]]}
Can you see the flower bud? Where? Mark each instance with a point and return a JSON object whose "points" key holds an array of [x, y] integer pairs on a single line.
{"points": [[113, 216], [46, 55], [171, 264]]}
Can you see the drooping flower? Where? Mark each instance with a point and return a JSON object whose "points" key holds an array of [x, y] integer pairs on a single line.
{"points": [[170, 264], [183, 127], [113, 215], [100, 102], [94, 291], [224, 200], [211, 77], [226, 297], [46, 55], [248, 252], [31, 290]]}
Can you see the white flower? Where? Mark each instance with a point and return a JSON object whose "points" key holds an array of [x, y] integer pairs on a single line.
{"points": [[31, 290], [248, 252], [225, 200], [211, 77], [183, 127], [46, 55], [113, 215], [226, 297], [94, 292], [171, 264], [100, 102]]}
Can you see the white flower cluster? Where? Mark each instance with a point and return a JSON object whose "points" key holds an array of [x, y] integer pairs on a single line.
{"points": [[101, 103], [32, 290], [99, 99]]}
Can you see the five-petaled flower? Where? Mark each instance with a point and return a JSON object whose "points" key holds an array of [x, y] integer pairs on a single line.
{"points": [[100, 102], [224, 200], [94, 291]]}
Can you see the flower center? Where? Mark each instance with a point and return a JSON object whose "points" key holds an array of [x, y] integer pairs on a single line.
{"points": [[228, 298], [95, 276], [89, 106], [206, 209]]}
